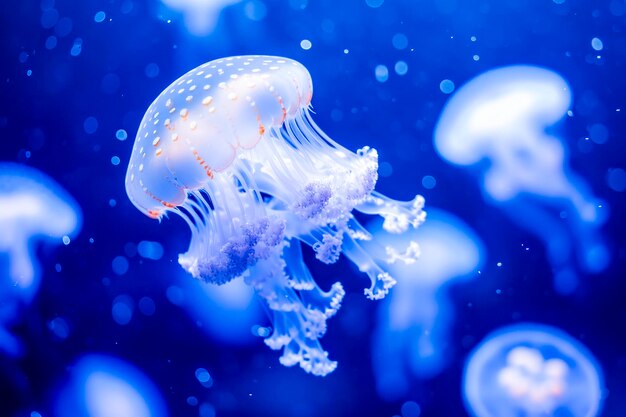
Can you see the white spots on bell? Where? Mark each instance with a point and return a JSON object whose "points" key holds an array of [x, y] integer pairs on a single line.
{"points": [[206, 87], [182, 90], [184, 113], [192, 88], [172, 110], [274, 68], [199, 73], [140, 167], [189, 81], [167, 123], [220, 71], [232, 96], [169, 103], [156, 122], [180, 82], [256, 69], [234, 76], [193, 125], [188, 99], [156, 141], [207, 100], [158, 152], [175, 137], [211, 109], [222, 85]]}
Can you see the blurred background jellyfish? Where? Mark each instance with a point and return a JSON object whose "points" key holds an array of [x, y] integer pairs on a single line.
{"points": [[34, 208], [105, 386], [501, 116], [200, 16], [412, 329], [226, 313], [532, 370], [231, 148]]}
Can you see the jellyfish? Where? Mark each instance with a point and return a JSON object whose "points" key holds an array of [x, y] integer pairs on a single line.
{"points": [[34, 209], [200, 15], [506, 117], [106, 386], [532, 370], [231, 148], [411, 335], [228, 313]]}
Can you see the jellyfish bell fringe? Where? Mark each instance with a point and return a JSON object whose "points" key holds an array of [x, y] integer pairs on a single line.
{"points": [[231, 147]]}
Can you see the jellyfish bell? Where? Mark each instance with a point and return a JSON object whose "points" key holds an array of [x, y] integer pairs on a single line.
{"points": [[412, 329], [106, 386], [505, 117], [34, 208], [495, 104], [200, 16], [231, 147], [532, 370], [502, 115]]}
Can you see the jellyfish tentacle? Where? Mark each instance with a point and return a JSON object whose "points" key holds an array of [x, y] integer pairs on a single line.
{"points": [[397, 215], [297, 327], [381, 281]]}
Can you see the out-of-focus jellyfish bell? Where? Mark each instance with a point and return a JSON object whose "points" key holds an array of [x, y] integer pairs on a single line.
{"points": [[227, 313], [104, 386], [532, 370], [200, 15], [501, 116], [34, 208], [231, 147], [412, 330]]}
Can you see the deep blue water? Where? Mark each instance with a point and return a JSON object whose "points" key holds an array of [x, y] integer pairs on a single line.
{"points": [[64, 99]]}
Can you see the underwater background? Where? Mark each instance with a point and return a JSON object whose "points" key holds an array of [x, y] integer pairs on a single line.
{"points": [[77, 77]]}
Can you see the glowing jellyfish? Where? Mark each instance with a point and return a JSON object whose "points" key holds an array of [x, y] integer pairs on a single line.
{"points": [[200, 15], [412, 330], [227, 313], [34, 208], [501, 116], [104, 386], [231, 148], [530, 370]]}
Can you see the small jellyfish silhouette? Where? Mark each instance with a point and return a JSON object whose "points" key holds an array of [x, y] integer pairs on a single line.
{"points": [[530, 370], [34, 208], [411, 333], [231, 147], [502, 116], [200, 16], [105, 386]]}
